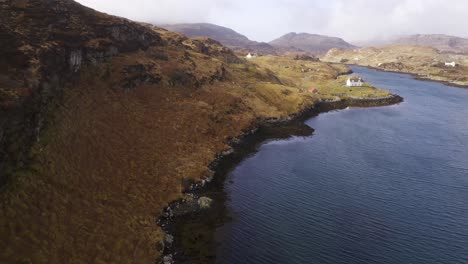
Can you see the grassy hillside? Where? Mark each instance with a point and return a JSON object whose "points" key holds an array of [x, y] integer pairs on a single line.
{"points": [[326, 78], [423, 61], [105, 121]]}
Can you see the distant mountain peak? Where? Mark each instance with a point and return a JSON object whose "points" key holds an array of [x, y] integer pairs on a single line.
{"points": [[312, 43], [226, 36]]}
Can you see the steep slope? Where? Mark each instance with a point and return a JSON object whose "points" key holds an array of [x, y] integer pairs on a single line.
{"points": [[105, 121], [444, 43], [426, 62], [312, 43], [226, 36]]}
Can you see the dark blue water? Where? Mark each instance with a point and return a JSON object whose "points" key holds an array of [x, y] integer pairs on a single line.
{"points": [[372, 185]]}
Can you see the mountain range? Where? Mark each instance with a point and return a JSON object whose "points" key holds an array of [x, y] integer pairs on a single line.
{"points": [[291, 42], [226, 36], [311, 43], [443, 43]]}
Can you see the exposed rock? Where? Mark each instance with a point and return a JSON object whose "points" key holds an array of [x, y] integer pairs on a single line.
{"points": [[204, 202], [306, 57], [167, 259], [209, 176], [227, 152], [188, 197], [75, 60], [169, 239], [139, 74]]}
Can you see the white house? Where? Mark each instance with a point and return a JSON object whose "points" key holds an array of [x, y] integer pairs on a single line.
{"points": [[354, 81], [450, 64], [251, 56]]}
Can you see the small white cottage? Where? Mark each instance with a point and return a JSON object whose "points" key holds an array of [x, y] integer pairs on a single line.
{"points": [[450, 64], [354, 81], [251, 55]]}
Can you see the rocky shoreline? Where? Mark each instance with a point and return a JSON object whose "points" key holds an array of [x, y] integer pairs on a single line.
{"points": [[190, 223]]}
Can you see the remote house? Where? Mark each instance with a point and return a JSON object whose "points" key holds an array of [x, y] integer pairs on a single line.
{"points": [[450, 64], [354, 81], [251, 55]]}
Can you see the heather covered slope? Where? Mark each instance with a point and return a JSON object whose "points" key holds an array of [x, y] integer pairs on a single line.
{"points": [[104, 121]]}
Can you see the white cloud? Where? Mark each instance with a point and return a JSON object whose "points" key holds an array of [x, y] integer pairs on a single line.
{"points": [[263, 20]]}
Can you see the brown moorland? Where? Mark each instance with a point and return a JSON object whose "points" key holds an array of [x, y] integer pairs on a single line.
{"points": [[104, 121]]}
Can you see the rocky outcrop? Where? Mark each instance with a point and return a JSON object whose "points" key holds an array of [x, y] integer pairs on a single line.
{"points": [[204, 202], [305, 57], [139, 74]]}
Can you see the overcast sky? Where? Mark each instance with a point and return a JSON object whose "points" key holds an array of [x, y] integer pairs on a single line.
{"points": [[265, 20]]}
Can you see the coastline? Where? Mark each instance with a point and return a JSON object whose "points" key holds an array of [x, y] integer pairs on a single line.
{"points": [[190, 227], [415, 76]]}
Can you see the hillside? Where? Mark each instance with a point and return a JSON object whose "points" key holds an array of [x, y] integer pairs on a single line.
{"points": [[426, 62], [311, 43], [226, 36], [105, 121], [443, 43]]}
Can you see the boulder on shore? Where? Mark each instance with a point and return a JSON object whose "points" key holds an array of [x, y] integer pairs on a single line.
{"points": [[204, 202]]}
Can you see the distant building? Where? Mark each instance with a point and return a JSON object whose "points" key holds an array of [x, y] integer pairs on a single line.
{"points": [[251, 55], [354, 81], [450, 64]]}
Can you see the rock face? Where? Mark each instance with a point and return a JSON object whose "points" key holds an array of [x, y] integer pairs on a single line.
{"points": [[226, 36], [311, 43], [443, 43]]}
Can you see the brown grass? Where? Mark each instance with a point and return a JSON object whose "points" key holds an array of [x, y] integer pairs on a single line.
{"points": [[111, 159]]}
